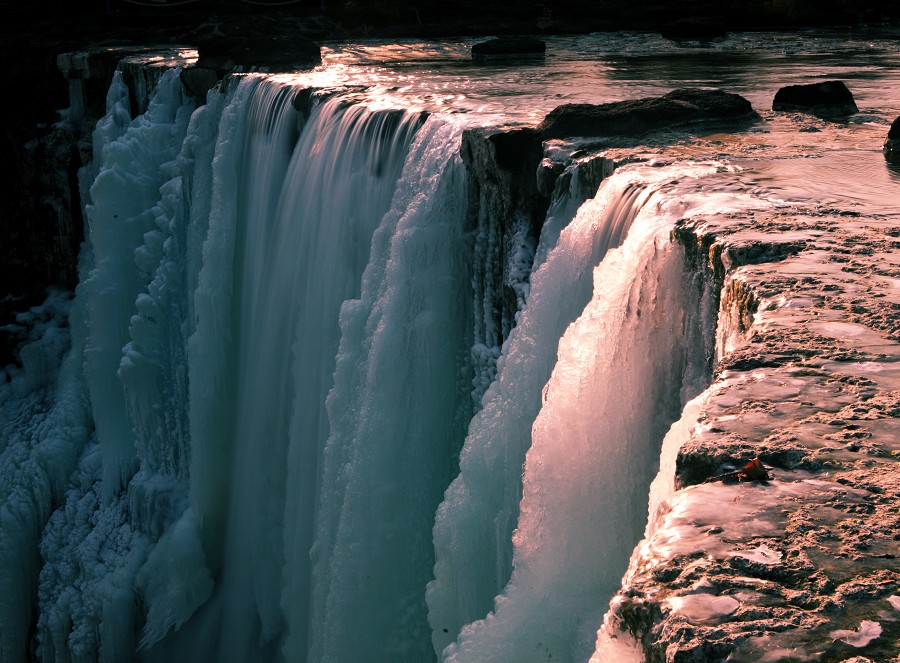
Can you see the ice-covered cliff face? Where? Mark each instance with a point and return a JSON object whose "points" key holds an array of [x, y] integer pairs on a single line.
{"points": [[279, 325], [257, 438]]}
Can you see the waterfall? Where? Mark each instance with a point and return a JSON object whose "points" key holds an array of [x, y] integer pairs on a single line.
{"points": [[222, 245], [475, 523], [617, 382], [305, 218], [261, 442], [396, 419]]}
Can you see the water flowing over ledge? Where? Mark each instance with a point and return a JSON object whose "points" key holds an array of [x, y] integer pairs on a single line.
{"points": [[351, 383], [800, 566]]}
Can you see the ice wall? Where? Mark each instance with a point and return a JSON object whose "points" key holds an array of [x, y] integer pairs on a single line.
{"points": [[45, 417], [621, 374], [269, 391], [130, 484], [475, 523]]}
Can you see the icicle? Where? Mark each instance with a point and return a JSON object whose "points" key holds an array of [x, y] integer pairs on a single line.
{"points": [[122, 198]]}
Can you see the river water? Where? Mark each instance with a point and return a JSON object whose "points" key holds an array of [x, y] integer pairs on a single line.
{"points": [[798, 157]]}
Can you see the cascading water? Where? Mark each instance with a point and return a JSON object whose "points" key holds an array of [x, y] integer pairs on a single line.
{"points": [[475, 523], [396, 418], [302, 236], [615, 387], [270, 449]]}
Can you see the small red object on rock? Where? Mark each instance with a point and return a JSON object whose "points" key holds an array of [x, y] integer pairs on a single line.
{"points": [[754, 471]]}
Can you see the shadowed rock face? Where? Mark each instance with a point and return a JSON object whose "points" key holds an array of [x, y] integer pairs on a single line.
{"points": [[826, 99], [892, 144], [677, 109]]}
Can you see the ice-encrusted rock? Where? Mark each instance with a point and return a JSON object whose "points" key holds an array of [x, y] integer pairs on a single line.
{"points": [[807, 381], [506, 211]]}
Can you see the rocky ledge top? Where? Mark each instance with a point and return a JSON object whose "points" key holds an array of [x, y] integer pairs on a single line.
{"points": [[795, 558]]}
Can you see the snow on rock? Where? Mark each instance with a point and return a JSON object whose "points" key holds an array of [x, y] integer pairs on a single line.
{"points": [[863, 635], [806, 381]]}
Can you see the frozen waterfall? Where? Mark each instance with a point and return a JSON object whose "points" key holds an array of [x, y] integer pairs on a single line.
{"points": [[260, 443]]}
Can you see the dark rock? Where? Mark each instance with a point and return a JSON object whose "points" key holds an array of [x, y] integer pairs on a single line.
{"points": [[508, 46], [694, 28], [825, 99], [303, 101], [273, 52], [199, 80], [677, 109], [894, 131], [892, 144], [517, 148], [547, 173], [506, 212], [218, 56]]}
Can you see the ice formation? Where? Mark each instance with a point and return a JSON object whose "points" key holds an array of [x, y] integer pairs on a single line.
{"points": [[260, 441]]}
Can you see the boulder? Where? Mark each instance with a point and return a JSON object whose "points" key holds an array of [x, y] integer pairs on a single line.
{"points": [[508, 47], [677, 109], [892, 144], [825, 99]]}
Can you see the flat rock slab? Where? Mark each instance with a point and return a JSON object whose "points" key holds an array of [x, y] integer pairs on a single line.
{"points": [[678, 109]]}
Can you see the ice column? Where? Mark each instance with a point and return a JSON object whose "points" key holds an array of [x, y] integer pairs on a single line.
{"points": [[473, 532], [395, 418], [594, 445]]}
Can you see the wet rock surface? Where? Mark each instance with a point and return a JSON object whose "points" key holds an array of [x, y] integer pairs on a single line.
{"points": [[824, 99], [802, 566], [892, 143], [635, 117]]}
